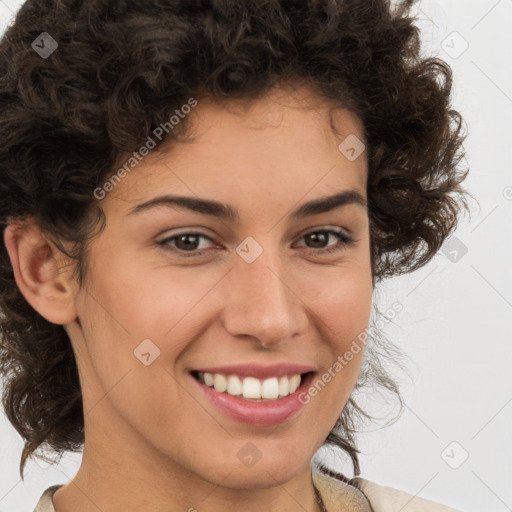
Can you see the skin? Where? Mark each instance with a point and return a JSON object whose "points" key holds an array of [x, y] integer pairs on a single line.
{"points": [[153, 442]]}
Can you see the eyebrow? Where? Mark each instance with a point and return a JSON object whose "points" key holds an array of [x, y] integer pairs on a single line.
{"points": [[227, 212]]}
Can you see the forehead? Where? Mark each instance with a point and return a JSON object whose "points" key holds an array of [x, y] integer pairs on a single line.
{"points": [[280, 145]]}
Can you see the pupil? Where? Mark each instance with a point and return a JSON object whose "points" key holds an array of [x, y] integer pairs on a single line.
{"points": [[184, 237], [318, 236]]}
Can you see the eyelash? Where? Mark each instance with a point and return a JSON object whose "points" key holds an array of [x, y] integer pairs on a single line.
{"points": [[343, 239]]}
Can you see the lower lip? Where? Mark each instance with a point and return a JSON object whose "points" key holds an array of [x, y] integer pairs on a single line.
{"points": [[256, 413]]}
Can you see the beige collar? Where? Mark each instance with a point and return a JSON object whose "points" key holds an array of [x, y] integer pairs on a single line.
{"points": [[338, 495], [372, 497]]}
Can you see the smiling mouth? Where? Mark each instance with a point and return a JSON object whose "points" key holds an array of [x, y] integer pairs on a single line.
{"points": [[251, 388]]}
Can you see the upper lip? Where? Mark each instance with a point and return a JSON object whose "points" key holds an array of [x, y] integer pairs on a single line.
{"points": [[257, 370]]}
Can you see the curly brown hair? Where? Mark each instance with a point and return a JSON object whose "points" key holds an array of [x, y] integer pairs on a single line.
{"points": [[122, 67]]}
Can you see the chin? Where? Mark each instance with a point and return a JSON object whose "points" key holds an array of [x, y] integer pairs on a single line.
{"points": [[253, 479], [263, 473]]}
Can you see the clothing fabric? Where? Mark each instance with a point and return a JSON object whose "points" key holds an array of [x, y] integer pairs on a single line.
{"points": [[382, 499]]}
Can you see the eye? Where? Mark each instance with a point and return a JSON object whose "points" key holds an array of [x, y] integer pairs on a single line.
{"points": [[342, 240], [190, 242], [186, 242]]}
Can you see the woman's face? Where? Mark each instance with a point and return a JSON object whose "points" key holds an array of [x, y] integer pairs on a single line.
{"points": [[255, 294]]}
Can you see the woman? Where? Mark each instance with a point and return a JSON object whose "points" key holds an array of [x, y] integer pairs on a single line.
{"points": [[303, 150]]}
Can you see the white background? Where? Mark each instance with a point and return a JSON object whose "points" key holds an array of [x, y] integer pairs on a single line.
{"points": [[456, 322]]}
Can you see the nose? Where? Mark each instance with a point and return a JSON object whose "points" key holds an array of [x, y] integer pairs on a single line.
{"points": [[261, 301]]}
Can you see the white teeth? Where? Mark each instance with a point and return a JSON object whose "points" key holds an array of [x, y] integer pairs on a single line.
{"points": [[270, 388], [220, 383], [250, 387], [283, 386], [294, 383], [234, 385]]}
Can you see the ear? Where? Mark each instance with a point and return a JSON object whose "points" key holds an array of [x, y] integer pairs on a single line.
{"points": [[42, 272]]}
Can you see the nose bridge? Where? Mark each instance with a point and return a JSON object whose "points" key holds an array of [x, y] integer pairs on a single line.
{"points": [[262, 304]]}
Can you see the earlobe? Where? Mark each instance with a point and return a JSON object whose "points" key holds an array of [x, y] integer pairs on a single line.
{"points": [[35, 261]]}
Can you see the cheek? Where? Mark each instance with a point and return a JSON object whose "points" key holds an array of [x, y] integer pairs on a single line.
{"points": [[127, 306], [343, 301], [343, 304], [139, 301]]}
